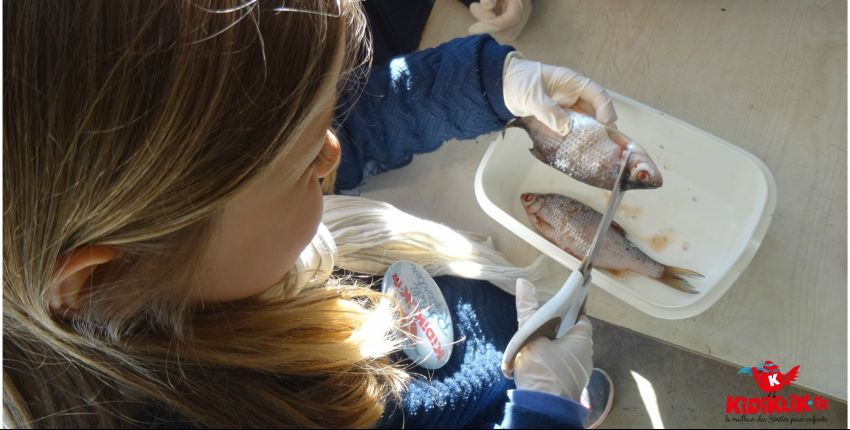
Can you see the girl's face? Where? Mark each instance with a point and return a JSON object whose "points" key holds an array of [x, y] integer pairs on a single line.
{"points": [[264, 228]]}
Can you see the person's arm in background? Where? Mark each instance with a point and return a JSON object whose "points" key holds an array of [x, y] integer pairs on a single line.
{"points": [[418, 101]]}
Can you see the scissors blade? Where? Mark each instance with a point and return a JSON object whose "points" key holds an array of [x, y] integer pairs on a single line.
{"points": [[613, 203]]}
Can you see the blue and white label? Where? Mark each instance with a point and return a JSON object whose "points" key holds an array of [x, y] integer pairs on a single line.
{"points": [[430, 323]]}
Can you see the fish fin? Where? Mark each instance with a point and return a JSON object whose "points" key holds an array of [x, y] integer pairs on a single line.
{"points": [[619, 138], [673, 277], [616, 273], [538, 155], [619, 229], [682, 272], [572, 252]]}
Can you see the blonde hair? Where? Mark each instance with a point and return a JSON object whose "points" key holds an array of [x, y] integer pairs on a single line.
{"points": [[130, 124]]}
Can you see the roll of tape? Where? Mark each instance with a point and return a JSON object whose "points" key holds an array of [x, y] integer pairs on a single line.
{"points": [[427, 315]]}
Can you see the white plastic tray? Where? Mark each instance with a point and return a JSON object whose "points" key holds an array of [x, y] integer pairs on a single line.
{"points": [[710, 215]]}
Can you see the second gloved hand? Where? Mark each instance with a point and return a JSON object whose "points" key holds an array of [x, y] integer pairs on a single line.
{"points": [[504, 19], [561, 366], [534, 89]]}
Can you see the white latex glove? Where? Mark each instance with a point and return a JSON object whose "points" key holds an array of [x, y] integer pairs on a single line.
{"points": [[504, 19], [561, 366], [534, 89]]}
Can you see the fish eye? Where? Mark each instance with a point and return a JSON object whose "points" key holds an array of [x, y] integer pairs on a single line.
{"points": [[643, 176]]}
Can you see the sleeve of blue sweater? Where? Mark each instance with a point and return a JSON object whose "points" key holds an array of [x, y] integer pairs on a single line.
{"points": [[533, 409], [420, 100]]}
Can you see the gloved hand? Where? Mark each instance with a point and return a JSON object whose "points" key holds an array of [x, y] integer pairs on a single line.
{"points": [[562, 366], [544, 91], [504, 19]]}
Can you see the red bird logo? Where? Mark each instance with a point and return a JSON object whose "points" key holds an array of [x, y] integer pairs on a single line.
{"points": [[768, 377]]}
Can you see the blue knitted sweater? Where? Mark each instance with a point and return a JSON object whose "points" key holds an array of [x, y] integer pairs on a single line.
{"points": [[411, 106], [418, 101]]}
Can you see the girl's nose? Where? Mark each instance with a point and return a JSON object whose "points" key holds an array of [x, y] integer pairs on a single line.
{"points": [[329, 156]]}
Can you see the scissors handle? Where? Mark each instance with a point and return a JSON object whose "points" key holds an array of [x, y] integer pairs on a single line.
{"points": [[551, 320]]}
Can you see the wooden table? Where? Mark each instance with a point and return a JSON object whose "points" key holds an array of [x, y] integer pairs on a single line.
{"points": [[770, 77]]}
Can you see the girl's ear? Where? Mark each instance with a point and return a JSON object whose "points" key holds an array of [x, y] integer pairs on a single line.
{"points": [[328, 158], [73, 278]]}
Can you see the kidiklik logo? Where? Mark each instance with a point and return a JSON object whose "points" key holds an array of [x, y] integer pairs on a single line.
{"points": [[770, 379]]}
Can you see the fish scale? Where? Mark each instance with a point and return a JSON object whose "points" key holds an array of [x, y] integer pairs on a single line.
{"points": [[588, 152], [572, 225]]}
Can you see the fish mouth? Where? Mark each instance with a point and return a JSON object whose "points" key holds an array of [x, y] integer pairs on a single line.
{"points": [[527, 199], [531, 204]]}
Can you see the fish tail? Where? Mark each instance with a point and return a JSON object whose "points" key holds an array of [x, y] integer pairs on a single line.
{"points": [[674, 277], [682, 272]]}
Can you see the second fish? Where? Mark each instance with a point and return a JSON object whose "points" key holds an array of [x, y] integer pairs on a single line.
{"points": [[571, 225]]}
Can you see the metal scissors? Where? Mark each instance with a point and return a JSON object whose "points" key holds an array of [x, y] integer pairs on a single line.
{"points": [[561, 312]]}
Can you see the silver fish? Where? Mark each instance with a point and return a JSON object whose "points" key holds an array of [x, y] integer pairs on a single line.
{"points": [[591, 152], [571, 225]]}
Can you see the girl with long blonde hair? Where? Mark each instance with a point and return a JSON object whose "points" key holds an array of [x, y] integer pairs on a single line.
{"points": [[162, 167]]}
